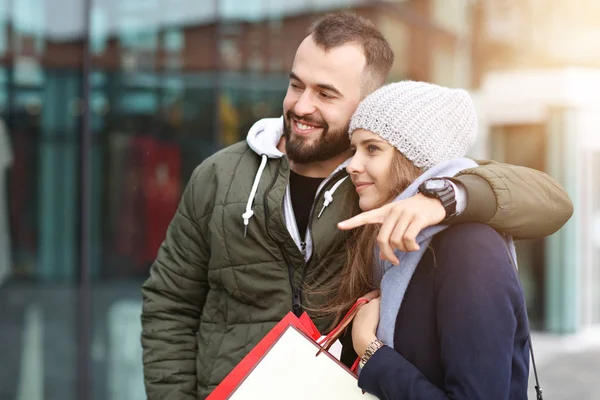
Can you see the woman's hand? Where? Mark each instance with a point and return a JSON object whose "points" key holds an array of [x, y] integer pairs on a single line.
{"points": [[364, 326], [401, 222]]}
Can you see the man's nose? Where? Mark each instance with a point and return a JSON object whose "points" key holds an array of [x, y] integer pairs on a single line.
{"points": [[304, 105]]}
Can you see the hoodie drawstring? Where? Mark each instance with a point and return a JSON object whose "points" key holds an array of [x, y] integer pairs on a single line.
{"points": [[329, 195], [249, 212]]}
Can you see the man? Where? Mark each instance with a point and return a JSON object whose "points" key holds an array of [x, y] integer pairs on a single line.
{"points": [[257, 222]]}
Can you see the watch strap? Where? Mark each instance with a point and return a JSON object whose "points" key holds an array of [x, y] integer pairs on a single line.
{"points": [[445, 195], [448, 199], [371, 349]]}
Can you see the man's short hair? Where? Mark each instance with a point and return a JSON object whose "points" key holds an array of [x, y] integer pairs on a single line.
{"points": [[335, 30]]}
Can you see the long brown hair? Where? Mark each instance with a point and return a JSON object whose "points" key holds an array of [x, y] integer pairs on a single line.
{"points": [[356, 278]]}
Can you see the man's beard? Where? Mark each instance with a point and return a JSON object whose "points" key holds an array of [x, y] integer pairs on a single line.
{"points": [[330, 144]]}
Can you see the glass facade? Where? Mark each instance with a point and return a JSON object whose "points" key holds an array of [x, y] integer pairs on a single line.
{"points": [[41, 75], [595, 235]]}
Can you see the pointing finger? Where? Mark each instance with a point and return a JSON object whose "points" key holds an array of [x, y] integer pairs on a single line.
{"points": [[367, 217]]}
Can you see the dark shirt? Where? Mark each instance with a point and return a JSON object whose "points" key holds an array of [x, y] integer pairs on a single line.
{"points": [[462, 330], [303, 191]]}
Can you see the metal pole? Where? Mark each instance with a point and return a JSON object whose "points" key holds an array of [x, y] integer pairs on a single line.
{"points": [[84, 306], [217, 65]]}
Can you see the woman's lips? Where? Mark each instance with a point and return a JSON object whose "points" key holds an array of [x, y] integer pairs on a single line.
{"points": [[362, 185]]}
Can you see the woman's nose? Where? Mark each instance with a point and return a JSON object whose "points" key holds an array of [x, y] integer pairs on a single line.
{"points": [[355, 166]]}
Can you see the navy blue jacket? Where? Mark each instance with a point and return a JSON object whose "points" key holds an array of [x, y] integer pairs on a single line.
{"points": [[462, 329]]}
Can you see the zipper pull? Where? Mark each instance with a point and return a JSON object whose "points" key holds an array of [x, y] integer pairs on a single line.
{"points": [[296, 306], [303, 248]]}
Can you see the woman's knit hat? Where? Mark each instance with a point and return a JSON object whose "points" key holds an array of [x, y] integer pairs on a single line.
{"points": [[427, 123]]}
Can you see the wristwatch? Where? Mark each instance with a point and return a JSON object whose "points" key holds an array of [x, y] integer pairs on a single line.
{"points": [[371, 349], [441, 189]]}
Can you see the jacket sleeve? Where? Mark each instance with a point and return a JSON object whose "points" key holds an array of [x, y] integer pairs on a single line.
{"points": [[174, 295], [477, 312], [519, 201]]}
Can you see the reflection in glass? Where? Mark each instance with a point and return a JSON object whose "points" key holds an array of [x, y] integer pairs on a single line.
{"points": [[40, 92]]}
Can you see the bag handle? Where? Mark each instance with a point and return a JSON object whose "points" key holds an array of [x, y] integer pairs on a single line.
{"points": [[538, 387], [327, 341]]}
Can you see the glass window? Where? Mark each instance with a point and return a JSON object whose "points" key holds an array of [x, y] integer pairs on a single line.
{"points": [[595, 239], [154, 106], [40, 92]]}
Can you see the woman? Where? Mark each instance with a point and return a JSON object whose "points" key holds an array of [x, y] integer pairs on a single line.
{"points": [[451, 321]]}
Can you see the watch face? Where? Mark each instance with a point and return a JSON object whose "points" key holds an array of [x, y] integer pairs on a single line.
{"points": [[435, 184]]}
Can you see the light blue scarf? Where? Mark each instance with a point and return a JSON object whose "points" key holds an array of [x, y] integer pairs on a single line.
{"points": [[395, 279]]}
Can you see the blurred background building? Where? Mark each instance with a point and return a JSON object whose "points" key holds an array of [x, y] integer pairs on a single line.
{"points": [[108, 105]]}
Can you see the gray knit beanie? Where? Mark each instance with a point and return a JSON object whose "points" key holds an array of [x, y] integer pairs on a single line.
{"points": [[427, 123]]}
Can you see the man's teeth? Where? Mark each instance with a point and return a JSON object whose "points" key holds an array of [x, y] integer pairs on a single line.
{"points": [[304, 127]]}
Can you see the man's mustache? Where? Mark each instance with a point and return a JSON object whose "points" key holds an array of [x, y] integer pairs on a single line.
{"points": [[309, 119]]}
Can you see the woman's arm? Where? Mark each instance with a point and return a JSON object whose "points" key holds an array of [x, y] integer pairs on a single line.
{"points": [[519, 201], [479, 318]]}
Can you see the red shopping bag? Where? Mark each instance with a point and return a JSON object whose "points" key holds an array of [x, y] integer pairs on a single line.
{"points": [[291, 363]]}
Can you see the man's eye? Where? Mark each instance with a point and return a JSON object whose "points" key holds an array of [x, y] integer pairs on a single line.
{"points": [[325, 95]]}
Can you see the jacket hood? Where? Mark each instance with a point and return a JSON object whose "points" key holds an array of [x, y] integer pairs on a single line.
{"points": [[264, 137]]}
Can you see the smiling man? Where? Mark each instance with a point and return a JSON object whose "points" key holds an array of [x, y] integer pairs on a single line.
{"points": [[330, 76], [257, 223]]}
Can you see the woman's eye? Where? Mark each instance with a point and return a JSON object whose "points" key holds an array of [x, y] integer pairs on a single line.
{"points": [[372, 148]]}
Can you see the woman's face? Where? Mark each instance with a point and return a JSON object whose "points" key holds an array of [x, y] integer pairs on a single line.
{"points": [[370, 168]]}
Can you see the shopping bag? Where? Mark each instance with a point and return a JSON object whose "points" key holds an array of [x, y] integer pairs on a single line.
{"points": [[291, 363]]}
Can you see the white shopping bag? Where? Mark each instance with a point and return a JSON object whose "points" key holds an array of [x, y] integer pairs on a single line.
{"points": [[285, 365]]}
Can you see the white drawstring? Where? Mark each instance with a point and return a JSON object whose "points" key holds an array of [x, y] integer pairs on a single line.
{"points": [[249, 212], [329, 195]]}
